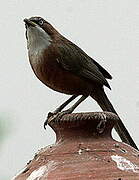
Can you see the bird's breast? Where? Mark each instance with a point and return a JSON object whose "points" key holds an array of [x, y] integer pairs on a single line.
{"points": [[49, 71]]}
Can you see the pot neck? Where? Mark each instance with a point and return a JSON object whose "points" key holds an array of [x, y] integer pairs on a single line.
{"points": [[84, 126]]}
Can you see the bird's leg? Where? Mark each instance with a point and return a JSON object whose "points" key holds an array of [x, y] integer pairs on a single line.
{"points": [[62, 106], [70, 110]]}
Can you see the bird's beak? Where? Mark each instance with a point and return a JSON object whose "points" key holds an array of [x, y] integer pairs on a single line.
{"points": [[29, 23]]}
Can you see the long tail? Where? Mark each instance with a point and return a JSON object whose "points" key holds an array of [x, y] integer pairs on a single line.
{"points": [[106, 105]]}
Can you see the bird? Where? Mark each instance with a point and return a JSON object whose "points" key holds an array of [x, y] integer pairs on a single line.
{"points": [[64, 67]]}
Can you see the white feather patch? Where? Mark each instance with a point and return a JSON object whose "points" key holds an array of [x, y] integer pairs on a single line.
{"points": [[38, 40]]}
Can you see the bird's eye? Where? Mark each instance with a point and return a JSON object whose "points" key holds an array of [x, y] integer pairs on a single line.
{"points": [[40, 22]]}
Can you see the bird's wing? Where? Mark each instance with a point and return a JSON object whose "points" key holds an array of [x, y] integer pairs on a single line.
{"points": [[73, 59], [102, 70]]}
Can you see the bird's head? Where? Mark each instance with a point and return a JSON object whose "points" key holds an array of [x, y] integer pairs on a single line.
{"points": [[38, 29]]}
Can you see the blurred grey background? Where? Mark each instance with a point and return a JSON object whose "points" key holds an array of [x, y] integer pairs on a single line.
{"points": [[107, 30]]}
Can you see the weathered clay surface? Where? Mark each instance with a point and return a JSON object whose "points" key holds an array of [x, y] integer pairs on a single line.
{"points": [[84, 150]]}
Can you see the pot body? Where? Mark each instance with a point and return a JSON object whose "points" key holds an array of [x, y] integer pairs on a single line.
{"points": [[84, 150]]}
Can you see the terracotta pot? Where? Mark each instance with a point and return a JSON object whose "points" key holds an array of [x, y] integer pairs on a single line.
{"points": [[84, 150]]}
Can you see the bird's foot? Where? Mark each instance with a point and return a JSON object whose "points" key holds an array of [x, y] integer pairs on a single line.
{"points": [[50, 115], [55, 116]]}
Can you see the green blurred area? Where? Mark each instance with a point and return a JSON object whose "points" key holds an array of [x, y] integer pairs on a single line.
{"points": [[2, 131], [5, 130], [4, 127]]}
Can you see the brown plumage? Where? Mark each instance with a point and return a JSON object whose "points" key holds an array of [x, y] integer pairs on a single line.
{"points": [[64, 67]]}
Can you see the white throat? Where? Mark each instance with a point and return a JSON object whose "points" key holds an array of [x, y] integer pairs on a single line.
{"points": [[38, 40]]}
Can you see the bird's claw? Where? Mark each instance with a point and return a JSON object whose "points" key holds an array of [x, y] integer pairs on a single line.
{"points": [[50, 115], [54, 116]]}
